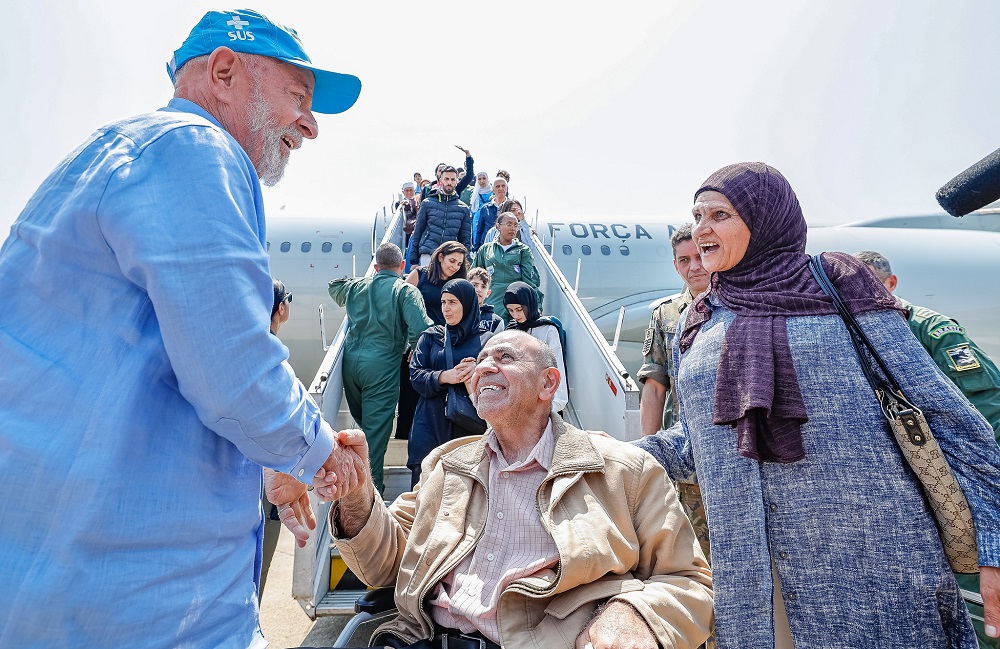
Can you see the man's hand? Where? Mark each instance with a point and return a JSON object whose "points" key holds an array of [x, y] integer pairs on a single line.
{"points": [[356, 505], [463, 150], [989, 588], [341, 473], [292, 499], [617, 626]]}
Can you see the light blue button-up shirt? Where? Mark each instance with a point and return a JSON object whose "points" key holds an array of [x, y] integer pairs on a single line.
{"points": [[140, 392]]}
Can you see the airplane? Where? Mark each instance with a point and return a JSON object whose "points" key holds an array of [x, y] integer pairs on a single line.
{"points": [[943, 263]]}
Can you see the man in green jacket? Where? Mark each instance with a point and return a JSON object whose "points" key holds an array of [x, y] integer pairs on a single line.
{"points": [[384, 314], [968, 366], [507, 260]]}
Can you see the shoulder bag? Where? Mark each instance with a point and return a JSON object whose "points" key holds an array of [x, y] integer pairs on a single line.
{"points": [[458, 408], [916, 442]]}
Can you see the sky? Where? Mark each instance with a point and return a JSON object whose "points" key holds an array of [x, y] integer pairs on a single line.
{"points": [[596, 109]]}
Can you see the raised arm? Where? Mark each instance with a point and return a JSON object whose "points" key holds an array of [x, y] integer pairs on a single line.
{"points": [[224, 361]]}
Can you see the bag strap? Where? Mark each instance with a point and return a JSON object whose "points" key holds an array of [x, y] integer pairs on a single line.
{"points": [[886, 388], [447, 348]]}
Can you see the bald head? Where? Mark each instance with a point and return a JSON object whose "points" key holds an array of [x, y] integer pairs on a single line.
{"points": [[513, 386], [541, 355]]}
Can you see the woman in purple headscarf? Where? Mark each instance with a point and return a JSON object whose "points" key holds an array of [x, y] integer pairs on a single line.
{"points": [[820, 533]]}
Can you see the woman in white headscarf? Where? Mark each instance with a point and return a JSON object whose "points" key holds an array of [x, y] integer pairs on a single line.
{"points": [[482, 192]]}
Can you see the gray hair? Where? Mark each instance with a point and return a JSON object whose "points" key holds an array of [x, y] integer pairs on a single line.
{"points": [[545, 358], [876, 262], [388, 256], [683, 233], [252, 62]]}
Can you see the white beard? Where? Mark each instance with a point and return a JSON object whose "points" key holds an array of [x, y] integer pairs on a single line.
{"points": [[271, 166]]}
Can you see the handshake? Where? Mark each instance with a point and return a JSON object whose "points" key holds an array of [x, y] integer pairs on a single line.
{"points": [[345, 474]]}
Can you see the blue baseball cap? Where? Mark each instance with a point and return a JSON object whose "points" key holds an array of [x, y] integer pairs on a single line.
{"points": [[250, 32]]}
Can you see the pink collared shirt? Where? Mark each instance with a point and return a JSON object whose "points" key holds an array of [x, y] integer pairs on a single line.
{"points": [[514, 544]]}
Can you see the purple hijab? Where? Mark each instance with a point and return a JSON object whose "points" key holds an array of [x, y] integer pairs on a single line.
{"points": [[757, 389]]}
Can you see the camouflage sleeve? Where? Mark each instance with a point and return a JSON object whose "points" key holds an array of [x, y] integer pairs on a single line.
{"points": [[655, 350], [966, 364]]}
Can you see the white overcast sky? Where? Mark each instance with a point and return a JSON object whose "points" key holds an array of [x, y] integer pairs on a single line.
{"points": [[608, 109]]}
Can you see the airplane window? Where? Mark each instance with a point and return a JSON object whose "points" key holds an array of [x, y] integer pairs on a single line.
{"points": [[605, 250], [347, 247], [268, 246], [306, 246], [327, 246], [567, 249], [548, 248], [624, 251], [285, 246], [585, 249]]}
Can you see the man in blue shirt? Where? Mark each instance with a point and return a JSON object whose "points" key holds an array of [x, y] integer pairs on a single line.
{"points": [[141, 390]]}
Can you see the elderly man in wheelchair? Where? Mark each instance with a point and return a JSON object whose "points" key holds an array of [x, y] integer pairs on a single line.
{"points": [[535, 535]]}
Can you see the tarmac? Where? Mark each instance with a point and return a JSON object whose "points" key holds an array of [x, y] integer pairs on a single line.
{"points": [[283, 621]]}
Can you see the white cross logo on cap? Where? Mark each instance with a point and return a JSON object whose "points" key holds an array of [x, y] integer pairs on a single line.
{"points": [[237, 22]]}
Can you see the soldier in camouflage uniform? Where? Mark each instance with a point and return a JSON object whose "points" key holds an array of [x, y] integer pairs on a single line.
{"points": [[658, 406], [962, 360]]}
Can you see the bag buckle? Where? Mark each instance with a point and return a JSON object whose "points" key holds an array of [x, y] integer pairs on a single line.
{"points": [[911, 426]]}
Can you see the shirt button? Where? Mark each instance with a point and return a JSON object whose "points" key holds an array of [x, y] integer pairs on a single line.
{"points": [[490, 557], [504, 475], [500, 515], [301, 471], [791, 597], [782, 555], [774, 507]]}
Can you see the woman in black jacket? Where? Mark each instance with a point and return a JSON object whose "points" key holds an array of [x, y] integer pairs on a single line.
{"points": [[431, 374]]}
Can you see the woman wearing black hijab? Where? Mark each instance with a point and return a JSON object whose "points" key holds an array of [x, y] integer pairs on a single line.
{"points": [[431, 375], [820, 534], [522, 303]]}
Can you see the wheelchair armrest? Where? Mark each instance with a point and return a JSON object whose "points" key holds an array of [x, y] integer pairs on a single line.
{"points": [[376, 601]]}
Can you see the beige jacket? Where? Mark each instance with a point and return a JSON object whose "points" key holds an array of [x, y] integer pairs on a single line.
{"points": [[611, 510]]}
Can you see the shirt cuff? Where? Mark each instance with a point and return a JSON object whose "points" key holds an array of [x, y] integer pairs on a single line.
{"points": [[319, 451], [652, 371]]}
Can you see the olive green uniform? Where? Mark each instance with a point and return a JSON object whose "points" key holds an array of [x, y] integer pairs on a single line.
{"points": [[658, 365], [384, 314], [961, 359]]}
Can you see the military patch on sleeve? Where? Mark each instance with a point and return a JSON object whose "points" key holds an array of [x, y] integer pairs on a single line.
{"points": [[647, 344], [962, 357], [950, 328]]}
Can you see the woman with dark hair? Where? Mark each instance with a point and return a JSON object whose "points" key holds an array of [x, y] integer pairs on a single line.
{"points": [[431, 374], [448, 261], [521, 301], [523, 229], [820, 533]]}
